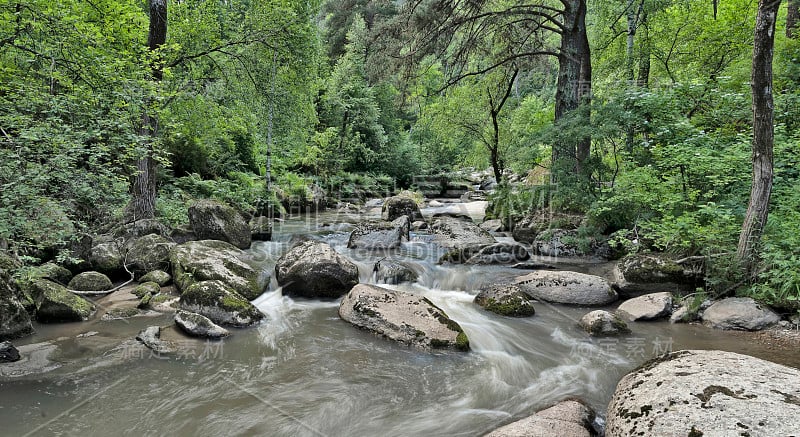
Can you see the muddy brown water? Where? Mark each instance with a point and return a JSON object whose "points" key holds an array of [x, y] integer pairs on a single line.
{"points": [[305, 372]]}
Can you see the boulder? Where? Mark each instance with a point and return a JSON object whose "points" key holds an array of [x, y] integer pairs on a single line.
{"points": [[8, 353], [90, 282], [500, 253], [205, 260], [151, 338], [15, 322], [648, 307], [419, 225], [459, 234], [393, 272], [149, 253], [55, 304], [106, 258], [601, 323], [505, 299], [313, 269], [140, 228], [53, 272], [375, 236], [120, 313], [160, 277], [645, 273], [260, 228], [403, 317], [566, 419], [198, 325], [212, 220], [493, 225], [740, 313], [567, 288], [145, 288], [404, 225], [220, 303], [527, 229], [706, 393], [182, 234], [398, 206]]}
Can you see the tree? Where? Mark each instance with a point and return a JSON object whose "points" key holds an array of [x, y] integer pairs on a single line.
{"points": [[763, 132], [143, 189], [792, 17]]}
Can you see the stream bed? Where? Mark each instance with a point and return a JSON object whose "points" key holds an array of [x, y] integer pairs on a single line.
{"points": [[305, 372]]}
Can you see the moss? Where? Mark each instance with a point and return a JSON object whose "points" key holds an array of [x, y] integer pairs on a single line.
{"points": [[122, 313], [146, 288], [145, 301], [160, 277], [462, 341], [160, 298]]}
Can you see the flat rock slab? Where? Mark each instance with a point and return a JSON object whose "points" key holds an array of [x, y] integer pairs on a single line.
{"points": [[565, 419], [459, 234], [566, 287], [706, 393], [740, 313], [198, 325], [402, 317], [648, 307]]}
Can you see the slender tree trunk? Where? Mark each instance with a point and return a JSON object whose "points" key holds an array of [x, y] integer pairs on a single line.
{"points": [[629, 60], [792, 17], [643, 78], [574, 77], [270, 120], [763, 133], [584, 91], [143, 204]]}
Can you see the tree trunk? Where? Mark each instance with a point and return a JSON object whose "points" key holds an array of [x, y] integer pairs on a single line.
{"points": [[643, 78], [763, 133], [574, 76], [792, 17], [143, 204], [629, 61]]}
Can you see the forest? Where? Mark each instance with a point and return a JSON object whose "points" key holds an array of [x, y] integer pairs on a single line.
{"points": [[635, 114]]}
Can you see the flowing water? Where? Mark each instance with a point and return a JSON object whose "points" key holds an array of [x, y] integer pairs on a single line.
{"points": [[306, 372]]}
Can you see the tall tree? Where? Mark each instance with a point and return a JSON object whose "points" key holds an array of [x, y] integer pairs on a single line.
{"points": [[792, 17], [763, 133], [143, 203]]}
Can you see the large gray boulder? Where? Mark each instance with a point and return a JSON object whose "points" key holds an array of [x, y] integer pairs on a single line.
{"points": [[398, 206], [220, 303], [376, 236], [198, 325], [314, 269], [500, 253], [212, 220], [205, 260], [148, 253], [15, 322], [601, 323], [459, 234], [388, 271], [90, 283], [565, 419], [55, 304], [645, 273], [565, 287], [648, 307], [403, 317], [741, 313], [53, 272], [706, 393], [107, 258], [160, 277], [505, 299], [140, 228], [562, 242]]}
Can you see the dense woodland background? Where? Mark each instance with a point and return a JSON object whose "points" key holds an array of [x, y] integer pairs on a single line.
{"points": [[636, 114]]}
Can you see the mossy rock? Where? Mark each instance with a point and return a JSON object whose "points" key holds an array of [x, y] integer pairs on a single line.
{"points": [[207, 260], [120, 313], [601, 323], [55, 304], [146, 288], [53, 272], [220, 303], [160, 277], [144, 302], [506, 300], [212, 220], [149, 253], [90, 281], [15, 322]]}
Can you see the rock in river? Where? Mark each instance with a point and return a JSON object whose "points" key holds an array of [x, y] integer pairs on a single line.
{"points": [[506, 300], [565, 419], [402, 317], [8, 353], [91, 283], [55, 304], [314, 269], [648, 307], [399, 206], [212, 220], [459, 234], [601, 323], [220, 303], [205, 260], [742, 313], [706, 393], [375, 236], [567, 288], [198, 325]]}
